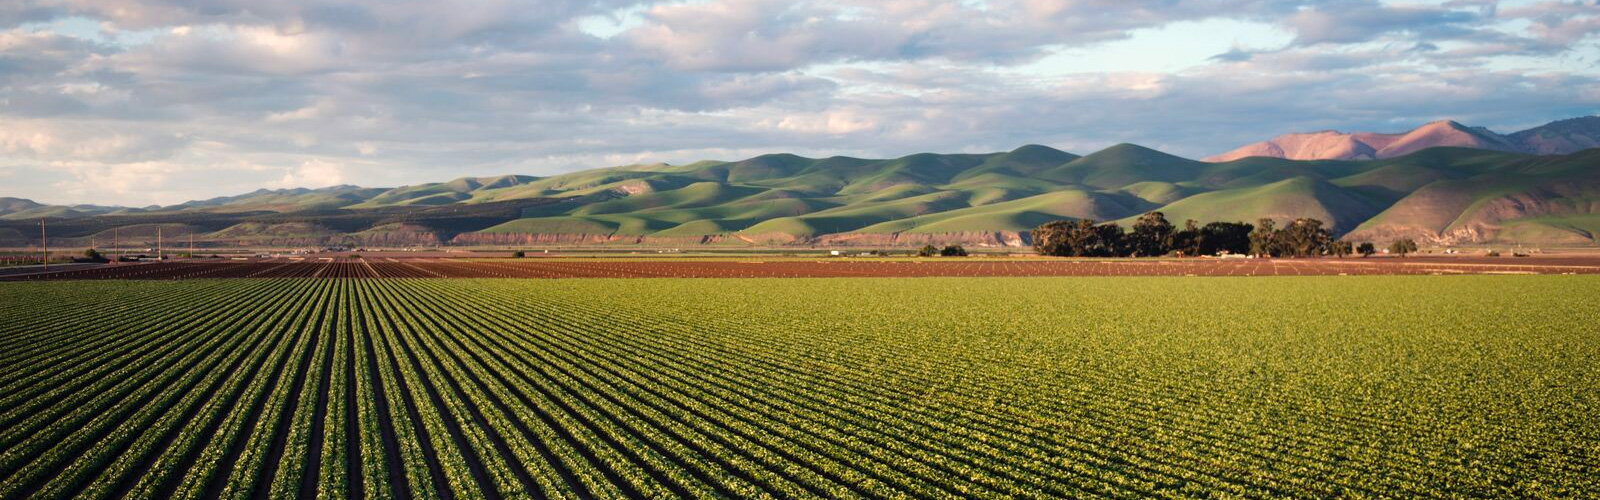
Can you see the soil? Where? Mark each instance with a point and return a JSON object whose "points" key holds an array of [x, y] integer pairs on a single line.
{"points": [[825, 268]]}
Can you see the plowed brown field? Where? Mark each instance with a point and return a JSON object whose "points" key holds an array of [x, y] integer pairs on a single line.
{"points": [[432, 268]]}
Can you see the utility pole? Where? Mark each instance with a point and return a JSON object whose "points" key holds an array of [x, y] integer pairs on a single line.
{"points": [[159, 257], [191, 245], [44, 244], [116, 241]]}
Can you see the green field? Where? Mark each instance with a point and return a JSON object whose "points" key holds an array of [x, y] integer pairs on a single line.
{"points": [[859, 388]]}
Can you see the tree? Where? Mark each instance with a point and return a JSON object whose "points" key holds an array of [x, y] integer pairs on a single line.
{"points": [[1230, 237], [953, 251], [1190, 240], [1054, 238], [1403, 247], [1264, 239], [93, 255], [1305, 237], [1109, 241], [1080, 238], [1340, 248], [519, 254], [928, 251], [1366, 249], [1152, 235]]}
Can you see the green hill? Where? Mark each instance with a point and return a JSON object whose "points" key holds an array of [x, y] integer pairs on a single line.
{"points": [[1531, 200], [1015, 215], [1283, 201], [1124, 164], [443, 193], [1440, 195]]}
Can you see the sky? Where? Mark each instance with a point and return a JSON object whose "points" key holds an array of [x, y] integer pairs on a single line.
{"points": [[139, 102]]}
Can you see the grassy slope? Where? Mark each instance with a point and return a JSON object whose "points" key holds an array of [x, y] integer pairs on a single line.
{"points": [[47, 211], [1282, 200], [1434, 190], [1016, 215], [1499, 189], [444, 193], [1569, 229], [1015, 191]]}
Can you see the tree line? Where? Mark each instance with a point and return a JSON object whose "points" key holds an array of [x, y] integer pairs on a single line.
{"points": [[1153, 236]]}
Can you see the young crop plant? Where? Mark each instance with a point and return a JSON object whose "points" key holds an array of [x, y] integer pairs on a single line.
{"points": [[346, 385]]}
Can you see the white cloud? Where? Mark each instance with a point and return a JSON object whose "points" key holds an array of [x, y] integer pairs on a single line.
{"points": [[830, 123], [84, 141], [313, 174], [224, 96]]}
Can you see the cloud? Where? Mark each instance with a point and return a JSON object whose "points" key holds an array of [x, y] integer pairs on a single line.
{"points": [[1364, 20], [1559, 24], [201, 99], [313, 174], [775, 35], [1235, 54], [85, 141]]}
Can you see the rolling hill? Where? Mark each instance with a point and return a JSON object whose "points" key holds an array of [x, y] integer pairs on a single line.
{"points": [[1441, 195]]}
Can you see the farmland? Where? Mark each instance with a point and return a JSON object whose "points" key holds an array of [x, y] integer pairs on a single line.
{"points": [[1356, 386], [810, 268]]}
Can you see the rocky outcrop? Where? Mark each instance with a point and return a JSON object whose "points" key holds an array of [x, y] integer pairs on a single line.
{"points": [[397, 235]]}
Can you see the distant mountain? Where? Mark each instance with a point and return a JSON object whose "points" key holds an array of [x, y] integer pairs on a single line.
{"points": [[282, 200], [1444, 195], [443, 193], [24, 209], [1561, 137], [13, 205]]}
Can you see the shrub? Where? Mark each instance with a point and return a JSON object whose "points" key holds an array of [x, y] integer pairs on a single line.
{"points": [[1403, 247], [1366, 249]]}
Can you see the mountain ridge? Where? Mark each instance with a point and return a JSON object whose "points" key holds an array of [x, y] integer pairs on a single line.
{"points": [[1558, 137], [1441, 195]]}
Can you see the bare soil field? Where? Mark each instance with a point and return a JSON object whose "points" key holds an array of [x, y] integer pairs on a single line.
{"points": [[446, 268]]}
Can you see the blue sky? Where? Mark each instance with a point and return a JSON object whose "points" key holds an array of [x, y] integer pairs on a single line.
{"points": [[141, 102]]}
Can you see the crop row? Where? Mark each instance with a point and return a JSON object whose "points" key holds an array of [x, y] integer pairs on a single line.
{"points": [[869, 388]]}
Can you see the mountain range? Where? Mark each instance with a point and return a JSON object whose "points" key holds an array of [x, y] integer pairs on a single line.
{"points": [[1439, 195], [1560, 137]]}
